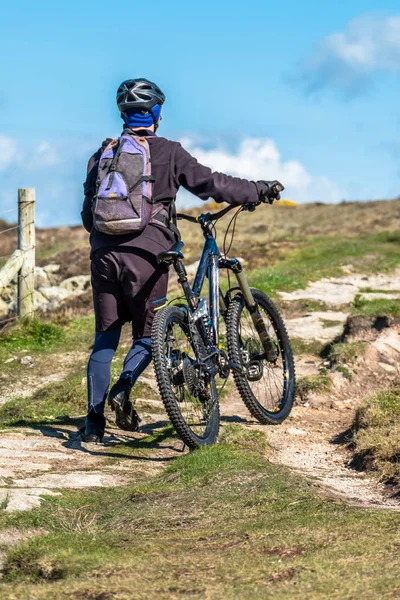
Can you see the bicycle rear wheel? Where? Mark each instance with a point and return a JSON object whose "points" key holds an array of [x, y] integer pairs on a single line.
{"points": [[267, 389], [189, 394]]}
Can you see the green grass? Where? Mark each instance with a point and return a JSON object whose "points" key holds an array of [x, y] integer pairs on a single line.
{"points": [[316, 384], [79, 332], [326, 323], [301, 347], [371, 290], [310, 305], [343, 356], [323, 257], [222, 522], [218, 523], [377, 435], [345, 371], [42, 337], [51, 404], [244, 439], [140, 447], [60, 401], [346, 352], [35, 336], [376, 308]]}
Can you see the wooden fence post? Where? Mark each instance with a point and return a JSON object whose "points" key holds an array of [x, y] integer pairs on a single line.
{"points": [[26, 244]]}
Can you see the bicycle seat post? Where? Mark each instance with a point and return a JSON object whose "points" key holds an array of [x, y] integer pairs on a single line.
{"points": [[183, 280]]}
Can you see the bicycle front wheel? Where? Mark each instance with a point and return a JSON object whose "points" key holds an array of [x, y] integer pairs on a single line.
{"points": [[267, 389], [189, 394]]}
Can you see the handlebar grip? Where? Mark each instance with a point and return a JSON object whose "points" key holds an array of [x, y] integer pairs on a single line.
{"points": [[181, 217], [277, 189]]}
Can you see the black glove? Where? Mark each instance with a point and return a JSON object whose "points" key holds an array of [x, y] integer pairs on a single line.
{"points": [[268, 191]]}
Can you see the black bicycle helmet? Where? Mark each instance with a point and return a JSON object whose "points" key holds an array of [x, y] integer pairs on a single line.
{"points": [[139, 94]]}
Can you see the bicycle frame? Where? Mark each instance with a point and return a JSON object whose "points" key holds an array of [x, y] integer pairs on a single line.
{"points": [[210, 263], [208, 267]]}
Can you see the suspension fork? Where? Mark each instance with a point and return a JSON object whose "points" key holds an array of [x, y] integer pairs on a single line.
{"points": [[252, 306]]}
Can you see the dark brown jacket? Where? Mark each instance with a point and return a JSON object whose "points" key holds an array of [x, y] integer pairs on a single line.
{"points": [[171, 168]]}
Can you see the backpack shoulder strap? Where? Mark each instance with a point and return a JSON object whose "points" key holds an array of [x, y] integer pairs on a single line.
{"points": [[171, 221]]}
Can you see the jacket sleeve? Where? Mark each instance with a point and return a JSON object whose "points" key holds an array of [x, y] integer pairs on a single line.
{"points": [[89, 187], [204, 183]]}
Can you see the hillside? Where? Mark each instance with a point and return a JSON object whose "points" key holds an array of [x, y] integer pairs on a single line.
{"points": [[296, 244], [309, 509]]}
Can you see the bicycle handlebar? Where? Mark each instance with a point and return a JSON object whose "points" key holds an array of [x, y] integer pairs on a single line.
{"points": [[209, 217]]}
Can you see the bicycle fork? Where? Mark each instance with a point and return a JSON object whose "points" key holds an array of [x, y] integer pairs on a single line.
{"points": [[235, 266]]}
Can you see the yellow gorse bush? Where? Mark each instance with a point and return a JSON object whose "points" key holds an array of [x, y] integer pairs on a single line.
{"points": [[286, 203]]}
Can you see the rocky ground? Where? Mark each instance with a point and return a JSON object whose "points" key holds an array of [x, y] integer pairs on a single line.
{"points": [[44, 460], [38, 461]]}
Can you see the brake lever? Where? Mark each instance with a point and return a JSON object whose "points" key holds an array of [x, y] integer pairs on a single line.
{"points": [[251, 207]]}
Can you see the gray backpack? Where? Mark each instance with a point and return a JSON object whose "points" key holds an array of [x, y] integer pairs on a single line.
{"points": [[123, 201]]}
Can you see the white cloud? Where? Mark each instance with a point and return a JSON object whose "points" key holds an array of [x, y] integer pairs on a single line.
{"points": [[41, 156], [8, 151], [45, 155], [369, 44], [259, 158], [56, 168]]}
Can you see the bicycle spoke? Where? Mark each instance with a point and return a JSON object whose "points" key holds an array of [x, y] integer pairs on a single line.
{"points": [[269, 388], [192, 402]]}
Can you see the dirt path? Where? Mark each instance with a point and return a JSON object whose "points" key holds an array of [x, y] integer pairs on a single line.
{"points": [[311, 440], [342, 290], [324, 326], [44, 460], [306, 443]]}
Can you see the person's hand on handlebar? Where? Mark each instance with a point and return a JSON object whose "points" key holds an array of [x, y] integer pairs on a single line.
{"points": [[269, 191]]}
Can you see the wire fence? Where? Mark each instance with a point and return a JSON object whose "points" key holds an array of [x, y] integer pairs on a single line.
{"points": [[8, 255], [9, 210], [15, 300], [8, 229], [5, 257]]}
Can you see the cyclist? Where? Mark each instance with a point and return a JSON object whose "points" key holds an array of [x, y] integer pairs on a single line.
{"points": [[127, 282]]}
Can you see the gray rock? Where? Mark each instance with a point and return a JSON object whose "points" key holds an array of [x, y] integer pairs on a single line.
{"points": [[53, 274], [3, 307], [26, 361], [41, 279], [10, 360], [54, 294], [76, 285], [40, 302], [51, 268]]}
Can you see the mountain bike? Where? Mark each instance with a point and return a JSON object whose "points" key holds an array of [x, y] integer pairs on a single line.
{"points": [[189, 356]]}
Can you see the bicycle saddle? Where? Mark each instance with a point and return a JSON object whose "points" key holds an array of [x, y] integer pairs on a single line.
{"points": [[170, 256]]}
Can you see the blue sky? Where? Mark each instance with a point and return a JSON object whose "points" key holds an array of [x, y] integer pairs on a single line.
{"points": [[305, 91]]}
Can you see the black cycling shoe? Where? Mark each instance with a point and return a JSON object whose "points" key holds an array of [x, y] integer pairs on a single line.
{"points": [[126, 416], [93, 431]]}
